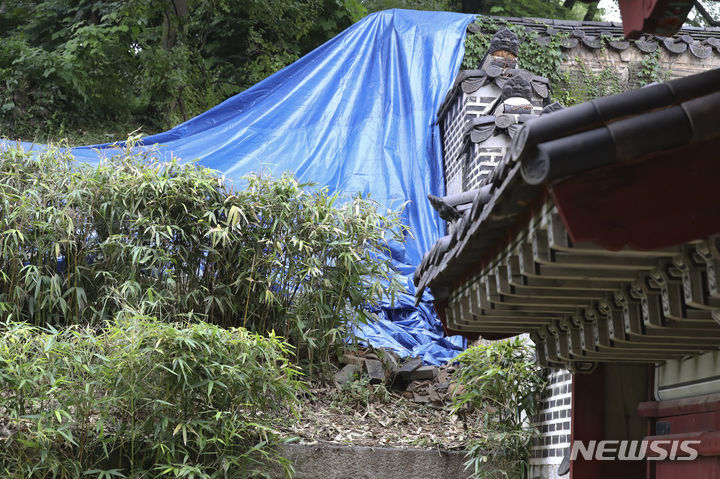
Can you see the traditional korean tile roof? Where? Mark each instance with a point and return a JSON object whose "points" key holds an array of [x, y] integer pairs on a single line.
{"points": [[522, 253], [590, 135], [699, 41], [470, 81]]}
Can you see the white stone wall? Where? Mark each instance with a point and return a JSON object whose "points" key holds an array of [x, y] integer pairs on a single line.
{"points": [[626, 62], [553, 419], [452, 127]]}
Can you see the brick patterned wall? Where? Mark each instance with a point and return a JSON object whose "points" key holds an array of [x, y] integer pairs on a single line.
{"points": [[452, 128], [466, 163], [553, 421], [480, 159]]}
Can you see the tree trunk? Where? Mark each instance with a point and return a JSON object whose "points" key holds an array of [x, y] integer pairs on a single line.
{"points": [[174, 22], [591, 11]]}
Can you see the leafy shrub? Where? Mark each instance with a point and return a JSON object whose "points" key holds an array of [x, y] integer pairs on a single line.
{"points": [[153, 62], [503, 380], [134, 236], [572, 81], [359, 393], [140, 398]]}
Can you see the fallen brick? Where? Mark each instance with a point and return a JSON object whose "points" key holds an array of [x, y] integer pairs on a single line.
{"points": [[352, 359], [445, 374], [419, 387], [409, 366], [375, 371], [346, 374], [390, 362], [424, 372], [421, 399]]}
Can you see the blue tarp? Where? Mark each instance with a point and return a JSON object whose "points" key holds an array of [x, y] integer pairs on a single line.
{"points": [[356, 115]]}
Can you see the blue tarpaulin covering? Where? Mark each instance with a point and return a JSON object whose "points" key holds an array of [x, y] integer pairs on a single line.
{"points": [[356, 115]]}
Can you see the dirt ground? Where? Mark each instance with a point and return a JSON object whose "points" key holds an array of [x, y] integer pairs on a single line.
{"points": [[395, 413]]}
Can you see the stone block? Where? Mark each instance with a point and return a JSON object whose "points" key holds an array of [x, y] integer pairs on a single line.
{"points": [[375, 371], [346, 374], [410, 366], [352, 359]]}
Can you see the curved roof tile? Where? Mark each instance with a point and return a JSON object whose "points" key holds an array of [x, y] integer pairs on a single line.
{"points": [[662, 115], [701, 41]]}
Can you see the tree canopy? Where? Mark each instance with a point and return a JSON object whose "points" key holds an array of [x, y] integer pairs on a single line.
{"points": [[74, 62], [71, 64]]}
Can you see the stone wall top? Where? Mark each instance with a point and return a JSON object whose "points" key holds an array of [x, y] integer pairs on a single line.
{"points": [[699, 42]]}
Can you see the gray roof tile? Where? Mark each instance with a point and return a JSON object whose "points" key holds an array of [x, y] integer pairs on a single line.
{"points": [[592, 34], [628, 125]]}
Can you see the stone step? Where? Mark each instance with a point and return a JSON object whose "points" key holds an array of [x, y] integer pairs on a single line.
{"points": [[322, 460]]}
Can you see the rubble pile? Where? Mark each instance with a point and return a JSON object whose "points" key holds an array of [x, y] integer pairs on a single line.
{"points": [[378, 399], [430, 385]]}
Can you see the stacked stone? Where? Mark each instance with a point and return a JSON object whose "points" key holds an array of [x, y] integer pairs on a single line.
{"points": [[553, 420], [479, 118], [483, 111]]}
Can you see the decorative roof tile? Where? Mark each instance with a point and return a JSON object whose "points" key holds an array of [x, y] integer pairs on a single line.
{"points": [[622, 127], [594, 35], [700, 51], [645, 45], [592, 42], [675, 46], [714, 42], [569, 43], [619, 45]]}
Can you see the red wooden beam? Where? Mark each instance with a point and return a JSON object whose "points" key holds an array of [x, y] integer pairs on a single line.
{"points": [[706, 443], [662, 200], [679, 407], [588, 419], [661, 17]]}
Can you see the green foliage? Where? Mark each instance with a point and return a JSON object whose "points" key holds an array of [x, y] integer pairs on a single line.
{"points": [[140, 398], [569, 85], [649, 70], [583, 84], [503, 381], [541, 60], [71, 64], [133, 236], [530, 8], [476, 46], [435, 5], [697, 20], [359, 393]]}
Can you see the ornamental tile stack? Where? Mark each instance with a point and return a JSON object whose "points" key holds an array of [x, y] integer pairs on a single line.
{"points": [[476, 123], [700, 42], [508, 265]]}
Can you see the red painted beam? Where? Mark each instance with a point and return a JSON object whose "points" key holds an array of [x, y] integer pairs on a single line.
{"points": [[705, 443], [661, 17], [701, 468], [665, 199], [680, 407], [588, 419]]}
